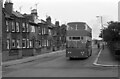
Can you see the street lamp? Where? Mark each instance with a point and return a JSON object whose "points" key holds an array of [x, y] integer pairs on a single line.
{"points": [[101, 23]]}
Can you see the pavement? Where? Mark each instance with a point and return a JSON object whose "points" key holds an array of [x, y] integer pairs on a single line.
{"points": [[28, 59], [106, 59]]}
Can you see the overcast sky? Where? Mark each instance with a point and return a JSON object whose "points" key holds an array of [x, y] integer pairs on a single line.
{"points": [[73, 10]]}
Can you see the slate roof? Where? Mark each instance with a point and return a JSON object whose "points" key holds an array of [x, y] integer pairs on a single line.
{"points": [[17, 14]]}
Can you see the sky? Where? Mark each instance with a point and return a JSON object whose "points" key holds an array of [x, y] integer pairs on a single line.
{"points": [[73, 10]]}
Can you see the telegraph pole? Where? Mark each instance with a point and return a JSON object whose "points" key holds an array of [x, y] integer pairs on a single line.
{"points": [[101, 18]]}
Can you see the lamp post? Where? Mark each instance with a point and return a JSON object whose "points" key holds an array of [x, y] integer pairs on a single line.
{"points": [[101, 23]]}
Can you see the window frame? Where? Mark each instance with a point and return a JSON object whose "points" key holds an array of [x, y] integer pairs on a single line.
{"points": [[28, 45], [13, 42], [27, 27], [23, 27], [24, 41], [18, 43], [44, 30], [13, 26], [17, 27], [47, 43], [8, 44], [7, 25], [50, 32], [39, 42]]}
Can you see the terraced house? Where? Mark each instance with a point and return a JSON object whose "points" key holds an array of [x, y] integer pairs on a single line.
{"points": [[26, 35], [15, 32]]}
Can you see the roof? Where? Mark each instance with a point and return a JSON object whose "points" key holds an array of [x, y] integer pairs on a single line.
{"points": [[17, 14], [52, 25], [6, 14]]}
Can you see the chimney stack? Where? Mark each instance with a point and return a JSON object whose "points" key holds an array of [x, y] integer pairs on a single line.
{"points": [[34, 12], [48, 19], [8, 6], [57, 23]]}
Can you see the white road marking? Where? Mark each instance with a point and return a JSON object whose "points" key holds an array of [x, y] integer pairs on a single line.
{"points": [[104, 65]]}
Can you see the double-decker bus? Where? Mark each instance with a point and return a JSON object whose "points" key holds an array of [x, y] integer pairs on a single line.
{"points": [[78, 40]]}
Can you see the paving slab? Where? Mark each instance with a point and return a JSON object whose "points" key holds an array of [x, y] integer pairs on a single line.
{"points": [[105, 58]]}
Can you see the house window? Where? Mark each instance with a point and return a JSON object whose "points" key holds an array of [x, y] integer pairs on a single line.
{"points": [[47, 43], [28, 43], [24, 43], [32, 28], [13, 27], [18, 43], [39, 31], [39, 43], [17, 27], [31, 44], [23, 25], [44, 43], [27, 25], [50, 32], [7, 27], [8, 44], [13, 43], [44, 31]]}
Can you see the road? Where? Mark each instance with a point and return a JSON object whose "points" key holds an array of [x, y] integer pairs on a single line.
{"points": [[59, 66]]}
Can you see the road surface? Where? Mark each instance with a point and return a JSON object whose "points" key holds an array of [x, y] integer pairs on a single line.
{"points": [[59, 66]]}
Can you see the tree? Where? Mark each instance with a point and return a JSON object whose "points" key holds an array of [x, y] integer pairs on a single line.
{"points": [[112, 32]]}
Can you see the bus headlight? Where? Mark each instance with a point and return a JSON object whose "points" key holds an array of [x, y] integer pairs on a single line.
{"points": [[82, 53], [69, 52]]}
